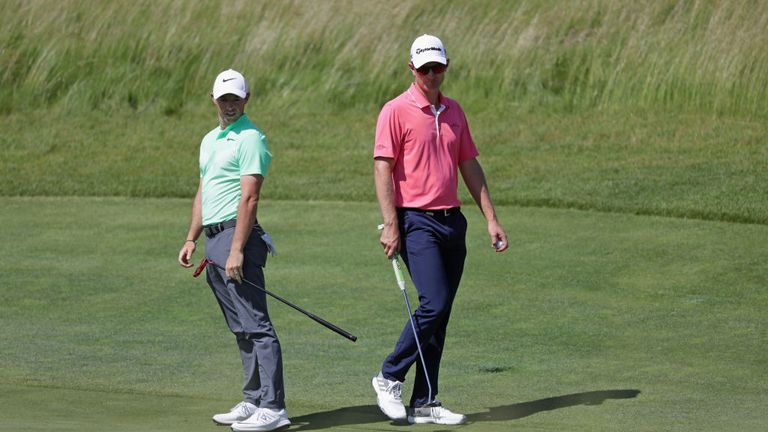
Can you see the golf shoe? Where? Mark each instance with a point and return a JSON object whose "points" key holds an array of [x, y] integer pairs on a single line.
{"points": [[239, 412], [388, 397], [264, 419], [435, 414]]}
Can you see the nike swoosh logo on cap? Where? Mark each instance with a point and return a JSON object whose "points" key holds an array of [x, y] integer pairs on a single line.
{"points": [[228, 79]]}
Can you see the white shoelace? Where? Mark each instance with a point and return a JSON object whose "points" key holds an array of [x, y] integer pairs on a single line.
{"points": [[395, 388], [241, 408]]}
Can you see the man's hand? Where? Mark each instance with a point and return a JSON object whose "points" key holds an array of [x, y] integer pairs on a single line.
{"points": [[498, 236], [234, 266], [390, 240], [185, 254]]}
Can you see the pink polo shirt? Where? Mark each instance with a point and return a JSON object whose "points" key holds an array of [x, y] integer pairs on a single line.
{"points": [[427, 144]]}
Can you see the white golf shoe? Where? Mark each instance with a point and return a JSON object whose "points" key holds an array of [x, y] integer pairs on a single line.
{"points": [[239, 412], [388, 397], [264, 419], [435, 414]]}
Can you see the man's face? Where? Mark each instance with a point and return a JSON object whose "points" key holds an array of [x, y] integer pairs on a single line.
{"points": [[229, 107], [429, 76]]}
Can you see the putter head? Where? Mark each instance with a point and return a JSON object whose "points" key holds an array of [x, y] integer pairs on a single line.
{"points": [[200, 268]]}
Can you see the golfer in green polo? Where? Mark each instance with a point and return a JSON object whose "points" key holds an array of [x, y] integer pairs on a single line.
{"points": [[234, 158]]}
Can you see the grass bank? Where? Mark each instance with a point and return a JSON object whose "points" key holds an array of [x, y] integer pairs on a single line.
{"points": [[689, 166]]}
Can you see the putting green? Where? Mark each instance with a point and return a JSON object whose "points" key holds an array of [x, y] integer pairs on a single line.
{"points": [[592, 322]]}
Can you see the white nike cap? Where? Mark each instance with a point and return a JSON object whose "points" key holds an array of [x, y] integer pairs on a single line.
{"points": [[230, 81], [427, 48]]}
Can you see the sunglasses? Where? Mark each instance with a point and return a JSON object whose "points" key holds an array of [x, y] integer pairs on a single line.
{"points": [[437, 69]]}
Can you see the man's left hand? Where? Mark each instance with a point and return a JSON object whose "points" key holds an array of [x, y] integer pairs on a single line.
{"points": [[234, 266], [498, 237]]}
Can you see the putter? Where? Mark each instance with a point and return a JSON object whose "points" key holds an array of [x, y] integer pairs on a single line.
{"points": [[401, 284], [316, 318]]}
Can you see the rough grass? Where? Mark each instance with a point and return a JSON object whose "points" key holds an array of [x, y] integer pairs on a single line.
{"points": [[694, 56]]}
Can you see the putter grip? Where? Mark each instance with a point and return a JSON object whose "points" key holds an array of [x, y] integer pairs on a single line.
{"points": [[200, 268], [398, 272]]}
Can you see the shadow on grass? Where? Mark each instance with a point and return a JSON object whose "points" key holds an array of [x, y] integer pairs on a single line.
{"points": [[355, 415], [520, 410], [364, 414]]}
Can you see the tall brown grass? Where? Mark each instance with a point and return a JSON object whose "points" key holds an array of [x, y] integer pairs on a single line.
{"points": [[677, 55]]}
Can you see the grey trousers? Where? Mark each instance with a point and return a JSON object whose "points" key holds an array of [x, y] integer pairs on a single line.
{"points": [[245, 310]]}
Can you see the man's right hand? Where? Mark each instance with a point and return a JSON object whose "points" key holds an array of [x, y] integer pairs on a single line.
{"points": [[390, 240], [185, 254]]}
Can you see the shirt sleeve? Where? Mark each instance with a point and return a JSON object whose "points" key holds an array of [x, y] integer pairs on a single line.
{"points": [[467, 148], [388, 134], [254, 156]]}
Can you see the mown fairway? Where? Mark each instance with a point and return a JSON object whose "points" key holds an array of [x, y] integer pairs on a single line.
{"points": [[593, 322]]}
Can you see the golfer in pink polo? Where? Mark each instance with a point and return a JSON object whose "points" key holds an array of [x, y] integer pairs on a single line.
{"points": [[422, 144]]}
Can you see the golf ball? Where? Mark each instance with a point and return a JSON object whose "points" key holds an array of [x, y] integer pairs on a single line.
{"points": [[499, 244]]}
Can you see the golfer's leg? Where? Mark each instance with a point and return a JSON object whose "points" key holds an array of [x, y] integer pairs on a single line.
{"points": [[218, 285], [266, 368], [217, 248], [421, 252], [264, 371], [250, 361], [267, 347], [433, 353], [453, 249]]}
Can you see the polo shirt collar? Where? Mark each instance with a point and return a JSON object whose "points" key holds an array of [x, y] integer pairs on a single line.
{"points": [[238, 124], [420, 99]]}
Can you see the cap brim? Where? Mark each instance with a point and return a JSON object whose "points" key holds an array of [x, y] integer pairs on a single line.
{"points": [[229, 90], [429, 58]]}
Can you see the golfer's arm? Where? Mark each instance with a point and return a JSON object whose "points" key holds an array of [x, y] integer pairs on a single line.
{"points": [[250, 188], [385, 191], [474, 178], [196, 224]]}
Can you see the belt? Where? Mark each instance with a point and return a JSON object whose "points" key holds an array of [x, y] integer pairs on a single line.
{"points": [[213, 229], [441, 212]]}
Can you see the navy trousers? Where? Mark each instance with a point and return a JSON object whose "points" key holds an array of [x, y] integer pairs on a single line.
{"points": [[433, 248]]}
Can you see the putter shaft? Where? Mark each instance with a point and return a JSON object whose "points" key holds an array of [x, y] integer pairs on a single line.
{"points": [[401, 284], [314, 317]]}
